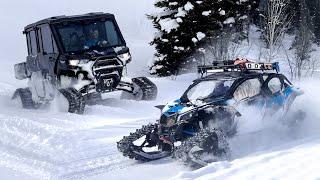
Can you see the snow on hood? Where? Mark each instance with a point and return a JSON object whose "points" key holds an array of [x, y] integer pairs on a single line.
{"points": [[175, 107]]}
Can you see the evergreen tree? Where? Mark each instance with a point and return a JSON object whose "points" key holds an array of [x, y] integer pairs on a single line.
{"points": [[303, 40], [185, 25], [313, 7]]}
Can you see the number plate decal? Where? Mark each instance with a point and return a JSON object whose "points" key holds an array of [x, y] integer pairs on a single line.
{"points": [[108, 82]]}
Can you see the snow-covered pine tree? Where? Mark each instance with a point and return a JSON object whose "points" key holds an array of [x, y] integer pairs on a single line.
{"points": [[185, 25], [303, 41]]}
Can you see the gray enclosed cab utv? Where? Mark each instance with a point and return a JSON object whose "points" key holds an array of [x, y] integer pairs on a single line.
{"points": [[79, 58]]}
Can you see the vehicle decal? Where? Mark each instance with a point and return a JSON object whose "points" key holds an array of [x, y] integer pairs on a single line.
{"points": [[280, 98], [173, 108]]}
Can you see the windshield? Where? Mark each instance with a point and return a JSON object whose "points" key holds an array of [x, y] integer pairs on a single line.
{"points": [[207, 89], [94, 35]]}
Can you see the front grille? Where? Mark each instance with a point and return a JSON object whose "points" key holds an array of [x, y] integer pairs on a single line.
{"points": [[107, 72], [106, 62], [106, 66]]}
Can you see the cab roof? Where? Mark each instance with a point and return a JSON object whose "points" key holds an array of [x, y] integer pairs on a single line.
{"points": [[64, 18]]}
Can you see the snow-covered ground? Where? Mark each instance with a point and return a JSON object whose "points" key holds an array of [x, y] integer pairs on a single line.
{"points": [[48, 144], [274, 153]]}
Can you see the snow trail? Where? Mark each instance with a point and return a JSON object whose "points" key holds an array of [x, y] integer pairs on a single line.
{"points": [[48, 144]]}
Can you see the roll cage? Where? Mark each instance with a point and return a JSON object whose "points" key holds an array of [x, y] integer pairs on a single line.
{"points": [[235, 66], [240, 73]]}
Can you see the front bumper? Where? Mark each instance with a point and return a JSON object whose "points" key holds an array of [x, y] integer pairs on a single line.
{"points": [[101, 75]]}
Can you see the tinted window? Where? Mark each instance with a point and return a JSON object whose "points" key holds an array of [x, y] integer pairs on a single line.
{"points": [[33, 43], [206, 89], [112, 34], [39, 39], [93, 35], [28, 43], [72, 37], [275, 85], [47, 42], [247, 89]]}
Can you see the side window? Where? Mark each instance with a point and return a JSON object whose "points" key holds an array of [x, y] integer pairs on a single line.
{"points": [[39, 40], [275, 85], [33, 43], [71, 37], [112, 35], [28, 43], [247, 89], [47, 41]]}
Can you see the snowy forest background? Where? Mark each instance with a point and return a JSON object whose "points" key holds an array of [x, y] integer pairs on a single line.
{"points": [[199, 32]]}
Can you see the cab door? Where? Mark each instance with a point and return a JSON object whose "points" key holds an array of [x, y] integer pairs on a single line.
{"points": [[33, 51], [40, 66], [48, 50]]}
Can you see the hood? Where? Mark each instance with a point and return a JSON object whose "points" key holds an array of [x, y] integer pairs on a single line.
{"points": [[176, 107], [179, 106]]}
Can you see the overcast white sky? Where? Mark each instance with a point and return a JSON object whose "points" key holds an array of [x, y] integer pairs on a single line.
{"points": [[16, 14]]}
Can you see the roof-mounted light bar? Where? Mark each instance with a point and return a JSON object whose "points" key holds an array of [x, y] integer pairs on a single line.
{"points": [[235, 66]]}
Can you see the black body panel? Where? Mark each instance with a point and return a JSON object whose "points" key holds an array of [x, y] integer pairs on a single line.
{"points": [[42, 35]]}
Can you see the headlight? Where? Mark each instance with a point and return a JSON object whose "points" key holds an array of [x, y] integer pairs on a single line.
{"points": [[125, 58], [76, 62], [185, 117]]}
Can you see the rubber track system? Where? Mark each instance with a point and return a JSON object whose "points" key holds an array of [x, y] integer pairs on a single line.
{"points": [[26, 98], [149, 89], [75, 99], [208, 141], [128, 149]]}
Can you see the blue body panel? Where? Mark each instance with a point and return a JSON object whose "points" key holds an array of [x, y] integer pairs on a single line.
{"points": [[271, 104], [174, 108], [277, 100], [280, 98]]}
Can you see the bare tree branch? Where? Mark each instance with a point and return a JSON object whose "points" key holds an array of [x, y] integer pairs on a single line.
{"points": [[276, 23]]}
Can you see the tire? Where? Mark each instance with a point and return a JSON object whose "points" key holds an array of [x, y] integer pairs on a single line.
{"points": [[144, 90], [75, 99], [206, 146], [25, 96]]}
